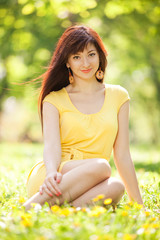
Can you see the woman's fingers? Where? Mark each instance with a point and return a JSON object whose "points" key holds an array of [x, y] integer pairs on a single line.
{"points": [[51, 188], [59, 177], [45, 188], [54, 185], [41, 190], [50, 185]]}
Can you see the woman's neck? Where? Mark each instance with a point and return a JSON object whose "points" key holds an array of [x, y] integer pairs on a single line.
{"points": [[85, 87]]}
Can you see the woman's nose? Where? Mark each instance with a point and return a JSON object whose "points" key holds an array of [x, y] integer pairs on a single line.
{"points": [[85, 62]]}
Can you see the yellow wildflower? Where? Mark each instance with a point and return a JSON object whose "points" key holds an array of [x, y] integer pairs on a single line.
{"points": [[145, 225], [129, 236], [65, 211], [55, 208], [155, 225], [25, 215], [107, 201], [99, 208], [152, 219], [76, 224], [147, 213], [126, 207], [26, 222], [21, 199], [100, 196], [130, 203], [137, 206], [95, 199], [96, 211], [41, 238], [93, 214], [105, 237], [147, 231], [84, 209], [124, 213]]}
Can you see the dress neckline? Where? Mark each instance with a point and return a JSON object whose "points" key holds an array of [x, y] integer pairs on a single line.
{"points": [[92, 114]]}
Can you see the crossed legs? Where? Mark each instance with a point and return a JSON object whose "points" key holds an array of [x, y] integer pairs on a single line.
{"points": [[81, 182], [110, 188]]}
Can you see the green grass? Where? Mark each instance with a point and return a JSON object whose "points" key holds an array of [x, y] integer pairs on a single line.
{"points": [[92, 223]]}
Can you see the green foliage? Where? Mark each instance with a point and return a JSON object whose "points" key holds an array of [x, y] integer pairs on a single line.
{"points": [[30, 29], [128, 222]]}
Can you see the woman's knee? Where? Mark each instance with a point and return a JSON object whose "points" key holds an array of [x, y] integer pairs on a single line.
{"points": [[121, 187], [101, 167], [118, 186], [93, 165]]}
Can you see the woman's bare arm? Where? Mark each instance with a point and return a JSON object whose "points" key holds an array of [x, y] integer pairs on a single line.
{"points": [[122, 156], [51, 135]]}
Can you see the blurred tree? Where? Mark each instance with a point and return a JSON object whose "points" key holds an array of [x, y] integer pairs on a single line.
{"points": [[132, 30], [29, 30]]}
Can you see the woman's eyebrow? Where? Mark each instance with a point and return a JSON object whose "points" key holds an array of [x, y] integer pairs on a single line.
{"points": [[78, 53], [91, 50]]}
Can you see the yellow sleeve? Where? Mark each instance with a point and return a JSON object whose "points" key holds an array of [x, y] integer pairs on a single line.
{"points": [[123, 96], [53, 99]]}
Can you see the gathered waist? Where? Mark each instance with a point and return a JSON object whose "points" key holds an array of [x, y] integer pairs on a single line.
{"points": [[72, 154], [75, 154]]}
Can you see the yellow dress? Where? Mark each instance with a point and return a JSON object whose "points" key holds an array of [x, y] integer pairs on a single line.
{"points": [[83, 136]]}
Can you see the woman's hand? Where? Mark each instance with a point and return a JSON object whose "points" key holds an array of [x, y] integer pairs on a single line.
{"points": [[50, 185]]}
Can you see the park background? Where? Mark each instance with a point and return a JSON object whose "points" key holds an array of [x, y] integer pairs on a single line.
{"points": [[29, 31]]}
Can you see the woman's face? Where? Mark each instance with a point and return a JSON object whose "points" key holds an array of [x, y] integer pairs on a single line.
{"points": [[84, 64]]}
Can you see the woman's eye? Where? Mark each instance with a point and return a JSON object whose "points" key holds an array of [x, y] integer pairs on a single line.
{"points": [[75, 57], [92, 54]]}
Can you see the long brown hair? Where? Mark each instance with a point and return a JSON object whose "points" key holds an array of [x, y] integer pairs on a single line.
{"points": [[73, 40]]}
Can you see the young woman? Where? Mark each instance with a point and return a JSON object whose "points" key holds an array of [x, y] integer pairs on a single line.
{"points": [[83, 119]]}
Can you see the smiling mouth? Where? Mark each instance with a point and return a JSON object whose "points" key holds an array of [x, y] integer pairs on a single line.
{"points": [[86, 71]]}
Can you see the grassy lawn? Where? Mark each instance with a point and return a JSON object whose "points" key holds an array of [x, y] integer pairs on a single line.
{"points": [[128, 221]]}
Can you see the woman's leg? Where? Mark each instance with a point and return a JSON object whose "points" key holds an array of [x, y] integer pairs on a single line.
{"points": [[111, 188], [75, 182]]}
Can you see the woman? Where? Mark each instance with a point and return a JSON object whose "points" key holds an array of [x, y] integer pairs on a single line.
{"points": [[82, 120]]}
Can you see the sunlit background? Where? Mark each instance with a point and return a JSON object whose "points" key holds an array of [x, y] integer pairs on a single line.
{"points": [[29, 30]]}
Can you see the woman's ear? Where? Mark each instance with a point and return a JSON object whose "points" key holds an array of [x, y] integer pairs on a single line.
{"points": [[67, 65]]}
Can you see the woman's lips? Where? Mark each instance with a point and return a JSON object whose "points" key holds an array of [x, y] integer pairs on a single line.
{"points": [[86, 71]]}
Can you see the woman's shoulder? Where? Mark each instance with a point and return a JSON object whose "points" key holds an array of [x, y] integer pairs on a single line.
{"points": [[117, 92], [55, 98], [54, 94]]}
